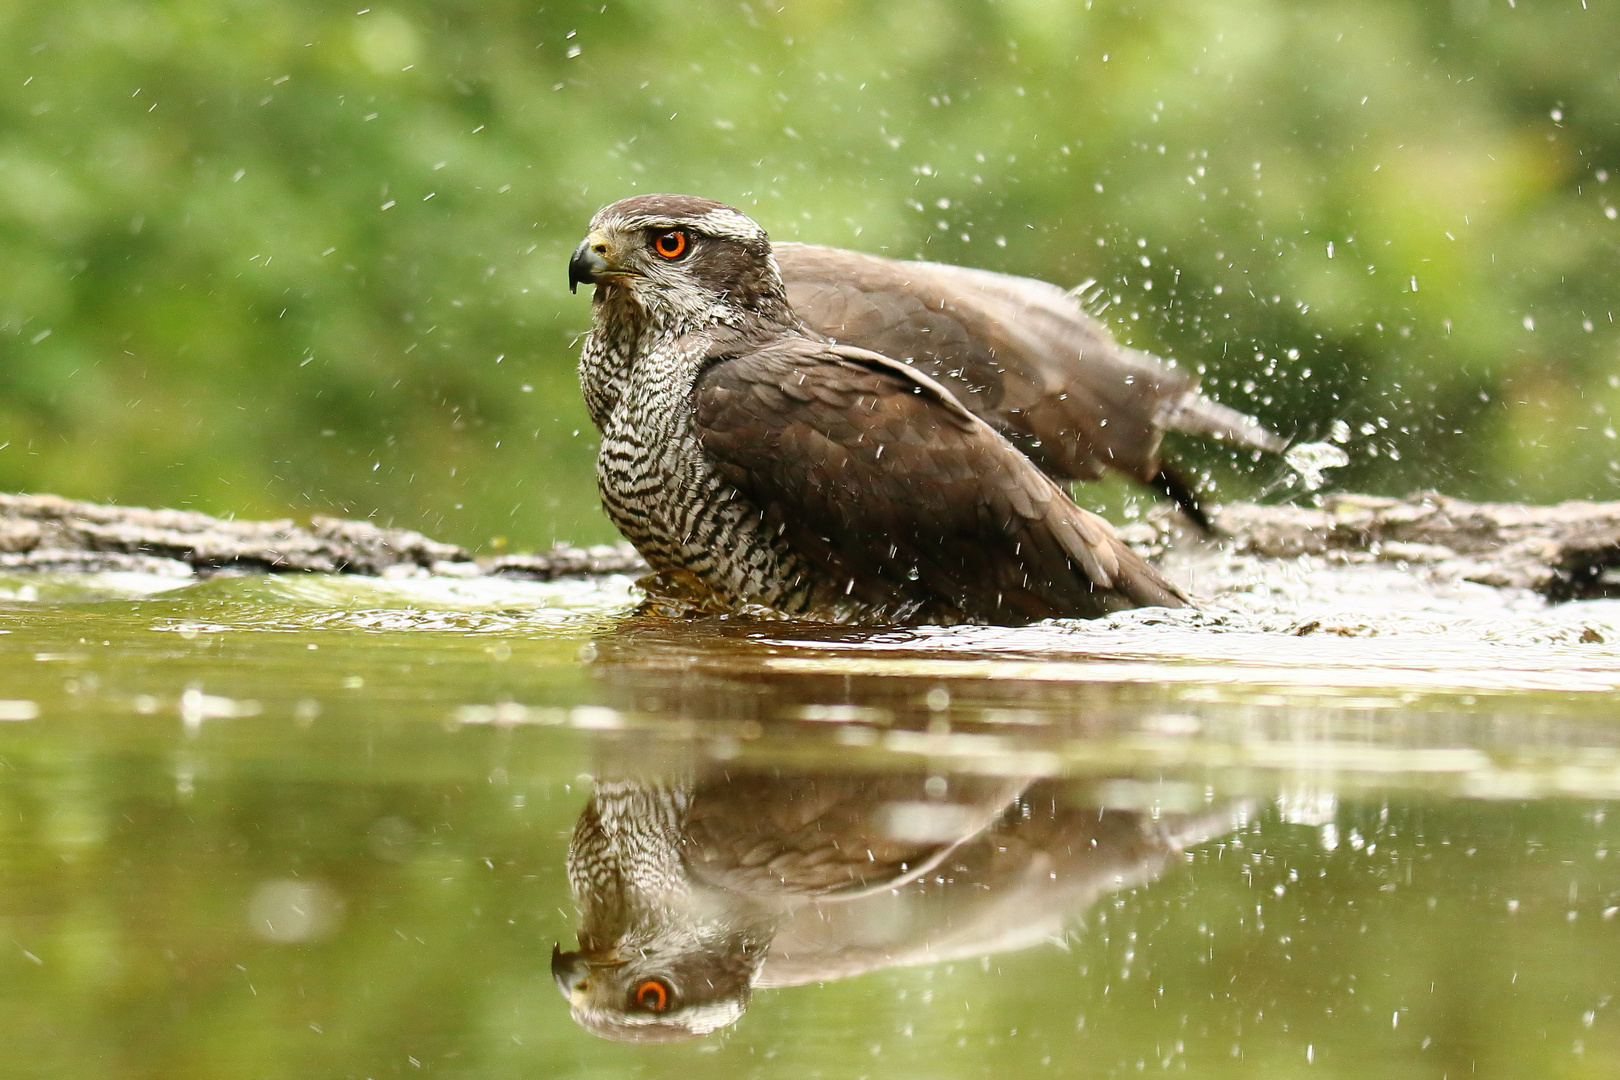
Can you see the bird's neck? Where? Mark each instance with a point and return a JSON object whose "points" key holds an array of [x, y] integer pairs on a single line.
{"points": [[624, 332], [625, 860]]}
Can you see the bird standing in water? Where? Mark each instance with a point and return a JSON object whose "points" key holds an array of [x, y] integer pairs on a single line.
{"points": [[756, 458]]}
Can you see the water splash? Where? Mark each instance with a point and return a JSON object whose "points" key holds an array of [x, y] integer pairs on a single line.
{"points": [[1311, 460]]}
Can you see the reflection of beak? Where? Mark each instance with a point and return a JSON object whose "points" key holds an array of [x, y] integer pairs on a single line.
{"points": [[589, 264], [573, 970], [570, 970]]}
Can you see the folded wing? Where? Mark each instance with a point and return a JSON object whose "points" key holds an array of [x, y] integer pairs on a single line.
{"points": [[780, 837], [877, 473]]}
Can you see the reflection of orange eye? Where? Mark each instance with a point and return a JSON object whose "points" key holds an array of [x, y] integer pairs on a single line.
{"points": [[653, 996], [671, 244]]}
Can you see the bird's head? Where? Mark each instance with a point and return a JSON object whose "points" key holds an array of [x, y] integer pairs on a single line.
{"points": [[680, 258], [660, 956], [687, 981]]}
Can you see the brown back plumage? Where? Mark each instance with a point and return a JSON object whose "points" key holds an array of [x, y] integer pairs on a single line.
{"points": [[1021, 354]]}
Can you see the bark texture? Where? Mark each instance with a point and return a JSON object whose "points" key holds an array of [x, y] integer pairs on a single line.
{"points": [[1567, 551], [49, 533]]}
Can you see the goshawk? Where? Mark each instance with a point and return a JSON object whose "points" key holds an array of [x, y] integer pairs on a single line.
{"points": [[839, 436]]}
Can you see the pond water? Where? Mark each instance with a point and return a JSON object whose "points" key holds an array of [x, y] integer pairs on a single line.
{"points": [[1344, 821]]}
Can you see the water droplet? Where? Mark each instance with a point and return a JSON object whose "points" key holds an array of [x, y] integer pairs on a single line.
{"points": [[289, 910]]}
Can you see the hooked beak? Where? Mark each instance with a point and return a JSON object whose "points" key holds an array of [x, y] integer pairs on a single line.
{"points": [[589, 264]]}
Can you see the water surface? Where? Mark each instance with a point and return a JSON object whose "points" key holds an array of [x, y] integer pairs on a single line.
{"points": [[1348, 822]]}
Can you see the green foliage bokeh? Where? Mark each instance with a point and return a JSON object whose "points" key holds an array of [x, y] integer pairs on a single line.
{"points": [[267, 257]]}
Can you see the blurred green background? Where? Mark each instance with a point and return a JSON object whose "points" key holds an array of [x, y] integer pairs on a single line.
{"points": [[261, 257]]}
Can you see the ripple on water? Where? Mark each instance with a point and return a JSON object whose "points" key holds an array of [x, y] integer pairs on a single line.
{"points": [[1305, 622], [1295, 623], [291, 603]]}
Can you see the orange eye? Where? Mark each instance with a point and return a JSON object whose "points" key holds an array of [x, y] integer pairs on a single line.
{"points": [[671, 244], [653, 996]]}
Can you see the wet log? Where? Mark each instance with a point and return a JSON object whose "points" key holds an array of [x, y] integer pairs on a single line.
{"points": [[49, 533], [1565, 551]]}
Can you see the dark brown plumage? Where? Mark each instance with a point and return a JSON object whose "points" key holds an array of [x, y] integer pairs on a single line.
{"points": [[901, 492], [1021, 354], [765, 461]]}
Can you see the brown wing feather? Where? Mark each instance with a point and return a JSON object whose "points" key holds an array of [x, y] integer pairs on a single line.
{"points": [[1014, 885], [879, 475], [1019, 353], [827, 835]]}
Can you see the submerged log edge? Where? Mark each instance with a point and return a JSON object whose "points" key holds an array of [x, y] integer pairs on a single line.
{"points": [[1567, 551]]}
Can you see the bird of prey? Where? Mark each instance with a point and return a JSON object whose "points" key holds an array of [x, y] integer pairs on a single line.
{"points": [[693, 893], [841, 470]]}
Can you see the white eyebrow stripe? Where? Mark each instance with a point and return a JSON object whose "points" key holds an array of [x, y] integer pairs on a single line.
{"points": [[729, 224], [720, 224]]}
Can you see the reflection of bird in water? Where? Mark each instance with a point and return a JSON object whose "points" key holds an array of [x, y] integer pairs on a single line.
{"points": [[693, 894], [865, 439]]}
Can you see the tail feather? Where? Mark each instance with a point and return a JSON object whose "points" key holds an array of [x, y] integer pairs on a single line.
{"points": [[1195, 414]]}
